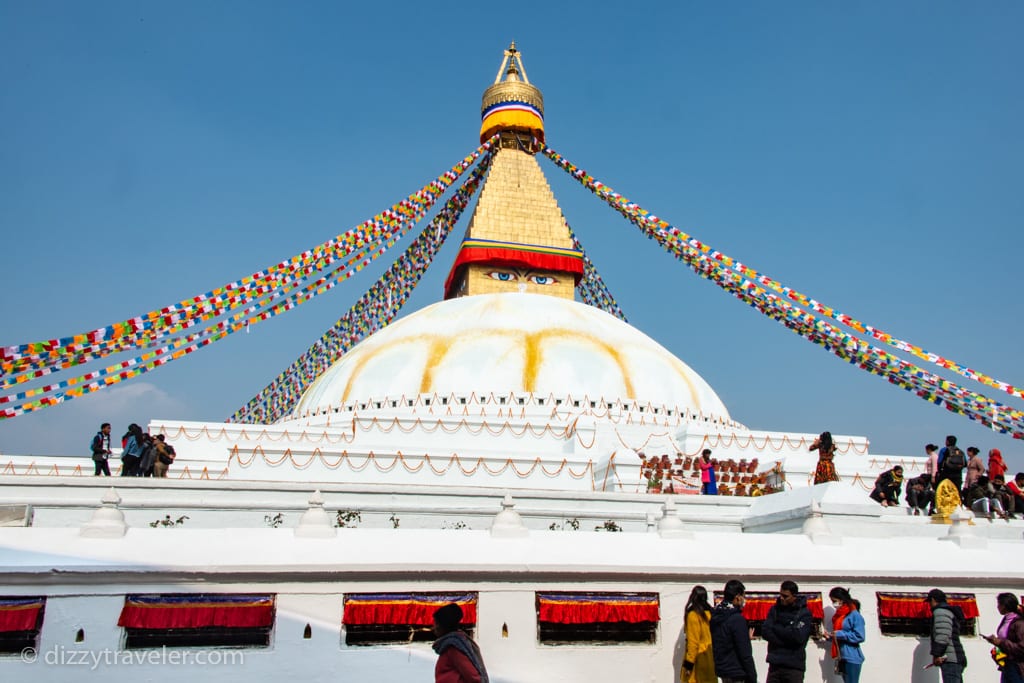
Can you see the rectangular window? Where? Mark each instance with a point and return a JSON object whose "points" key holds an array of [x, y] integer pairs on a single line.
{"points": [[21, 619], [907, 614], [197, 620], [755, 610], [597, 618], [395, 618]]}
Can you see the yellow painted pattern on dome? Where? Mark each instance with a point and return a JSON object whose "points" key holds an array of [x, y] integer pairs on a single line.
{"points": [[532, 357], [438, 350], [362, 359], [531, 345]]}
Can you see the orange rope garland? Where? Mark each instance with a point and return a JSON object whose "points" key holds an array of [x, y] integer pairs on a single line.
{"points": [[400, 458]]}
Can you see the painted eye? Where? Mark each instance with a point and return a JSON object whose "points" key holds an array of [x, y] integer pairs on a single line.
{"points": [[542, 280], [501, 275]]}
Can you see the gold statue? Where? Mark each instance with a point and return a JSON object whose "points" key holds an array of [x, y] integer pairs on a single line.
{"points": [[947, 500]]}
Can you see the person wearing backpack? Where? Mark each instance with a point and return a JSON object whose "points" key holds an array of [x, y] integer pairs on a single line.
{"points": [[946, 650], [100, 447], [952, 462], [148, 458]]}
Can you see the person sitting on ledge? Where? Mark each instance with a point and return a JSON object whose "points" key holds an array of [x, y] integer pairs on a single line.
{"points": [[1003, 495], [1016, 488], [888, 486], [981, 498], [920, 494]]}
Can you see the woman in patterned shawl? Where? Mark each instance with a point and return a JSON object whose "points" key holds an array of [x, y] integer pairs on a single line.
{"points": [[825, 471]]}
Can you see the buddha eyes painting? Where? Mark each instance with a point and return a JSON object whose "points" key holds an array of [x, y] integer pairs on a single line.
{"points": [[516, 275]]}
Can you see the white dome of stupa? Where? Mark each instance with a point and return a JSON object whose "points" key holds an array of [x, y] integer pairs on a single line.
{"points": [[512, 343]]}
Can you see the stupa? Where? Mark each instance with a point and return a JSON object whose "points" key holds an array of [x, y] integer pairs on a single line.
{"points": [[509, 350], [486, 450]]}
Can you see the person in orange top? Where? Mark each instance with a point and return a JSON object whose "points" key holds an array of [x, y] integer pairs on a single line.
{"points": [[996, 464], [699, 660]]}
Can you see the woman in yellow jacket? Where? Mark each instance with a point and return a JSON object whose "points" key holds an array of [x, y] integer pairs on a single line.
{"points": [[699, 661]]}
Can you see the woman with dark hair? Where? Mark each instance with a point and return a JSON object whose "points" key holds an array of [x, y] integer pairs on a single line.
{"points": [[1008, 640], [459, 659], [131, 454], [825, 471], [847, 635], [708, 481], [699, 661]]}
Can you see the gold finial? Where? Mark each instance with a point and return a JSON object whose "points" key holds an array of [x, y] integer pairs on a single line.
{"points": [[512, 66]]}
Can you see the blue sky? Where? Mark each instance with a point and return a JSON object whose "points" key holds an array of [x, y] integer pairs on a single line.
{"points": [[867, 154]]}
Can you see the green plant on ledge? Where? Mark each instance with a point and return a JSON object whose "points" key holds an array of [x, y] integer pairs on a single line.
{"points": [[348, 518], [566, 525]]}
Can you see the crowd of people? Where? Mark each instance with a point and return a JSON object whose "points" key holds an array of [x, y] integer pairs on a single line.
{"points": [[718, 638], [983, 487], [142, 455]]}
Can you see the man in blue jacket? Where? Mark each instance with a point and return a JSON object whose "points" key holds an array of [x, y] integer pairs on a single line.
{"points": [[730, 637], [787, 629]]}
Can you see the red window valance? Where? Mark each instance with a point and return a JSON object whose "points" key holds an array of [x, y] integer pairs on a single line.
{"points": [[758, 603], [197, 611], [913, 605], [415, 609], [590, 608], [20, 614]]}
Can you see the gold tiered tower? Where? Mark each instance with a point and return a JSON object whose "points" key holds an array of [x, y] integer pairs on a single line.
{"points": [[517, 240]]}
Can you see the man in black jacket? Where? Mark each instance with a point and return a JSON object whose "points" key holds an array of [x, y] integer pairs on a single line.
{"points": [[786, 629], [730, 637]]}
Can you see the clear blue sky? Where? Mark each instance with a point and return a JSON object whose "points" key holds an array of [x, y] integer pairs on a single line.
{"points": [[868, 154]]}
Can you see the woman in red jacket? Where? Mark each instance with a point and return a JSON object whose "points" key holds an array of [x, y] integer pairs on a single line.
{"points": [[459, 659]]}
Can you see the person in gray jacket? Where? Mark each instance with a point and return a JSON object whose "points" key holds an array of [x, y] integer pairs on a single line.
{"points": [[947, 651]]}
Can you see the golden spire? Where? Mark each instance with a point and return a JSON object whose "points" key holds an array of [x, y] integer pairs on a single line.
{"points": [[517, 240], [511, 103]]}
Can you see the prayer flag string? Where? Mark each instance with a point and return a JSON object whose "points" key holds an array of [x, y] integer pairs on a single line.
{"points": [[373, 311], [713, 265], [592, 288], [624, 205], [273, 304], [37, 359]]}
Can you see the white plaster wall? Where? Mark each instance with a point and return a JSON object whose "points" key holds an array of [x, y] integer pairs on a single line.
{"points": [[516, 659]]}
